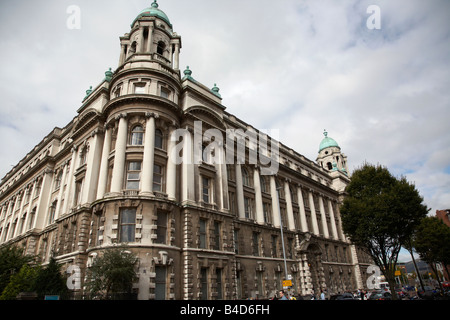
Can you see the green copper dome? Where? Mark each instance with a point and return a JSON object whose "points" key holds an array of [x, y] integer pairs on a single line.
{"points": [[153, 11], [327, 142]]}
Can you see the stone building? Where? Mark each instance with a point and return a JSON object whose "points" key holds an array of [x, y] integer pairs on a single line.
{"points": [[212, 207]]}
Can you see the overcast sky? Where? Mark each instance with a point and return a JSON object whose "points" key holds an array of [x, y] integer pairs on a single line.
{"points": [[297, 66]]}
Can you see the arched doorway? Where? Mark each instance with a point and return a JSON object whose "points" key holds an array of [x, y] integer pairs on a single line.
{"points": [[311, 269]]}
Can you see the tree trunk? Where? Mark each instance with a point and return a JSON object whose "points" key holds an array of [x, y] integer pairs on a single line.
{"points": [[417, 269]]}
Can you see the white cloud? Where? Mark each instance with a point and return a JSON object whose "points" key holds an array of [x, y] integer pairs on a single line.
{"points": [[298, 66]]}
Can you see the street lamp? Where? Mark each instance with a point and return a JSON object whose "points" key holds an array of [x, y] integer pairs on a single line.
{"points": [[282, 237]]}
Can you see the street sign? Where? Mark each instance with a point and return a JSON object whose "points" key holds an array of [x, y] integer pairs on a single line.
{"points": [[398, 273], [287, 283]]}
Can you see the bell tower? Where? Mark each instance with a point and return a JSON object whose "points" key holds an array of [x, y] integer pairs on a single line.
{"points": [[151, 38], [330, 156]]}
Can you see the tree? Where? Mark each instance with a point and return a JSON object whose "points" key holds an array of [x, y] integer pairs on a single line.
{"points": [[50, 281], [432, 242], [380, 213], [12, 259], [112, 273], [22, 281]]}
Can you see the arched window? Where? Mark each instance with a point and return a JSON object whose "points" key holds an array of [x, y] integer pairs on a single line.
{"points": [[263, 184], [158, 139], [137, 136], [245, 177], [161, 47]]}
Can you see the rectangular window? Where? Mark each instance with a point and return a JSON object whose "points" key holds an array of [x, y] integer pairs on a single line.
{"points": [[266, 212], [231, 196], [165, 93], [255, 243], [236, 241], [204, 283], [127, 224], [139, 88], [274, 246], [219, 284], [202, 233], [259, 277], [78, 189], [160, 283], [206, 188], [161, 228], [248, 207], [158, 173], [216, 235], [133, 175]]}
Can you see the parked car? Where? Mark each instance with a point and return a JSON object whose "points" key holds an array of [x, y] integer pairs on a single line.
{"points": [[400, 293], [343, 296], [428, 293], [380, 295]]}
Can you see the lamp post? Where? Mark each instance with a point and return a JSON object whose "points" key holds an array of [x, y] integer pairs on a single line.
{"points": [[282, 237]]}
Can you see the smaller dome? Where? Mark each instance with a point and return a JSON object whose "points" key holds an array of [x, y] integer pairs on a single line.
{"points": [[153, 11], [327, 142]]}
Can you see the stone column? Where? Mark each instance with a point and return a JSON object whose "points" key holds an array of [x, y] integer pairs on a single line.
{"points": [[240, 191], [187, 169], [93, 166], [149, 155], [61, 190], [258, 196], [313, 214], [104, 164], [119, 155], [171, 179], [289, 210], [141, 39], [150, 39], [176, 63], [30, 208], [122, 54], [333, 221], [222, 166], [323, 218], [275, 203], [44, 198], [71, 181], [301, 204]]}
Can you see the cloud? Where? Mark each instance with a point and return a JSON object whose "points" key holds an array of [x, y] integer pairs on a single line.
{"points": [[298, 66]]}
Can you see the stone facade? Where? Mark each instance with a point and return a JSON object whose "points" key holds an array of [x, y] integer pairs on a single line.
{"points": [[138, 165]]}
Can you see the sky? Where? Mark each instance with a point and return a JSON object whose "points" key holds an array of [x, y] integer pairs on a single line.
{"points": [[375, 74]]}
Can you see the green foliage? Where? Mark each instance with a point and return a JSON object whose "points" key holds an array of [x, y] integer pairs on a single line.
{"points": [[380, 212], [111, 273], [50, 281], [11, 261], [19, 273], [23, 281], [432, 241]]}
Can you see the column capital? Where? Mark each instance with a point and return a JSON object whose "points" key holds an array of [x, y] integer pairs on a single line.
{"points": [[152, 115], [121, 115]]}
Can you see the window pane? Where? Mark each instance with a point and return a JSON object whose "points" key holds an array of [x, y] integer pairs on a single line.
{"points": [[139, 88], [127, 225], [157, 178], [202, 232], [161, 230], [158, 139], [133, 175], [160, 283], [205, 189]]}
